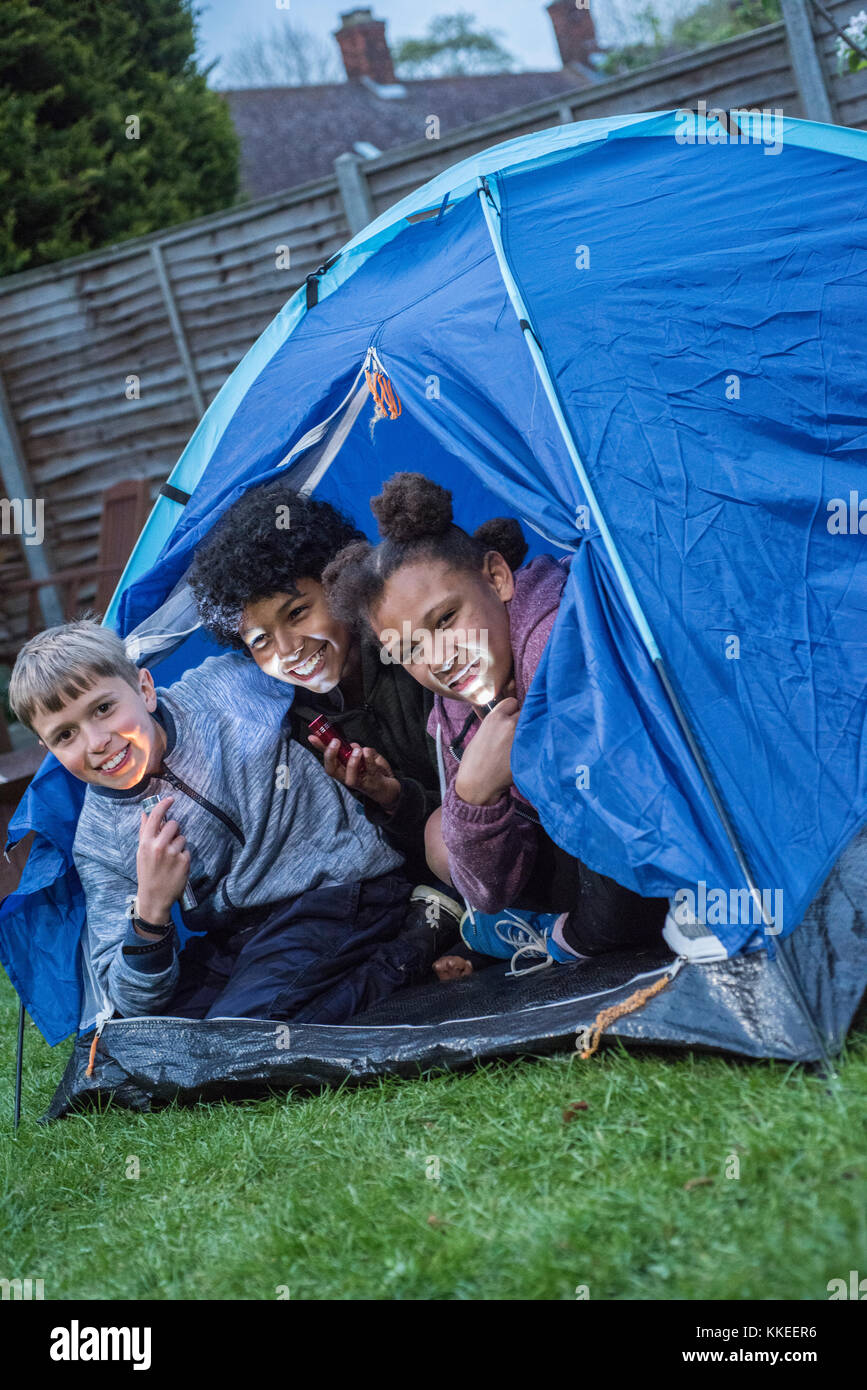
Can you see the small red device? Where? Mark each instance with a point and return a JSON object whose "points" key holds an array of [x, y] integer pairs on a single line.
{"points": [[325, 731]]}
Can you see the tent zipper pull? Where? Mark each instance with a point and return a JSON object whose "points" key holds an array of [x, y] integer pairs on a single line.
{"points": [[101, 1021], [385, 398]]}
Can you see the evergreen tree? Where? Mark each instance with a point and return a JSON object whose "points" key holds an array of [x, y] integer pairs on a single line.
{"points": [[107, 127]]}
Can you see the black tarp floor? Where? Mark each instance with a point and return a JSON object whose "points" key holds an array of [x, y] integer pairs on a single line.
{"points": [[734, 1006], [742, 1006]]}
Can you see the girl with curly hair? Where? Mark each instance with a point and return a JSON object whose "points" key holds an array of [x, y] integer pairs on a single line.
{"points": [[471, 626]]}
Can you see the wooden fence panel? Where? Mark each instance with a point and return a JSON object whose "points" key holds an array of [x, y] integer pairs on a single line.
{"points": [[181, 316]]}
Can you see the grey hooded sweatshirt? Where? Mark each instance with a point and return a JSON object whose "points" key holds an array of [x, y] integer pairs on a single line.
{"points": [[262, 820]]}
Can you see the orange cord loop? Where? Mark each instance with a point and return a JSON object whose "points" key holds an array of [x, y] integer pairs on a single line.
{"points": [[387, 401], [92, 1058], [608, 1016]]}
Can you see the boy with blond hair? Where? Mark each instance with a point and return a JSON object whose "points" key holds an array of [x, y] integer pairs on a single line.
{"points": [[301, 900]]}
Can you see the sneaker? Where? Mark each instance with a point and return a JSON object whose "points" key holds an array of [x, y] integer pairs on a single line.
{"points": [[516, 936], [686, 936], [435, 918]]}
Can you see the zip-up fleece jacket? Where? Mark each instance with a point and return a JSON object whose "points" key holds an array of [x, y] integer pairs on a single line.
{"points": [[262, 820], [493, 849]]}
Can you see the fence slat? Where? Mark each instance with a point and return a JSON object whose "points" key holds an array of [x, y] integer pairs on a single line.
{"points": [[180, 308]]}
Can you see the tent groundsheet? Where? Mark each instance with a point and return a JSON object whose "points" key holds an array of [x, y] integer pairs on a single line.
{"points": [[735, 1006]]}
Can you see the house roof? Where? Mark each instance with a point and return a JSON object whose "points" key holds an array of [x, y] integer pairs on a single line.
{"points": [[290, 135]]}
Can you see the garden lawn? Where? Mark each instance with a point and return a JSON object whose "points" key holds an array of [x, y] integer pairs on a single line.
{"points": [[470, 1186]]}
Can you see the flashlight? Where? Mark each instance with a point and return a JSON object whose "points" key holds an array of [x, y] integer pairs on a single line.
{"points": [[492, 704], [188, 900], [325, 731]]}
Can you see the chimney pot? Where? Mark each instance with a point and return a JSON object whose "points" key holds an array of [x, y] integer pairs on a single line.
{"points": [[574, 31], [364, 48]]}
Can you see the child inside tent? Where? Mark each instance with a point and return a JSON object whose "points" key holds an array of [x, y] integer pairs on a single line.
{"points": [[304, 910], [470, 624], [256, 580]]}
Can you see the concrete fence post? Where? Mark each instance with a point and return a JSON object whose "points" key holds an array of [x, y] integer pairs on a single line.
{"points": [[17, 482], [180, 336], [806, 62], [354, 191]]}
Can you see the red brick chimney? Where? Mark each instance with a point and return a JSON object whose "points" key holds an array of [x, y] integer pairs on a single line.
{"points": [[574, 31], [364, 48]]}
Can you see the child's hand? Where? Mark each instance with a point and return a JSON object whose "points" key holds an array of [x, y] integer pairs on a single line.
{"points": [[376, 781], [486, 770], [162, 864]]}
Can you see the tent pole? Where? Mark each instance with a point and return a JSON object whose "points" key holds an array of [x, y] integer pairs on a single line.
{"points": [[491, 209], [19, 1058]]}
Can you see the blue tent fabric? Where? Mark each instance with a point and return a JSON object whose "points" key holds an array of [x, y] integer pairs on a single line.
{"points": [[707, 263], [605, 738], [718, 505], [41, 922]]}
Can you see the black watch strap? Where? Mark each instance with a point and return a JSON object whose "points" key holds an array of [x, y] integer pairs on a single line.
{"points": [[145, 948], [151, 926]]}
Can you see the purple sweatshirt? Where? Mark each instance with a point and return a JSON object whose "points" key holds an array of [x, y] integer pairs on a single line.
{"points": [[492, 849]]}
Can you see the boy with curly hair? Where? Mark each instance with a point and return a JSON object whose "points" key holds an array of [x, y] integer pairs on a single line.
{"points": [[257, 581]]}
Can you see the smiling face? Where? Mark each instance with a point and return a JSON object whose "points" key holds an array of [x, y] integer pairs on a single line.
{"points": [[457, 624], [294, 638], [106, 735]]}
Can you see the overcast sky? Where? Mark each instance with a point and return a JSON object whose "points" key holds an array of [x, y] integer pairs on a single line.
{"points": [[525, 29]]}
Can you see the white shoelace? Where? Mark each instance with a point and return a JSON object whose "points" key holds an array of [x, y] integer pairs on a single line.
{"points": [[524, 940]]}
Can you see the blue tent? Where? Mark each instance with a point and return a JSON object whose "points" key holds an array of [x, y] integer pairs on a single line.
{"points": [[644, 336]]}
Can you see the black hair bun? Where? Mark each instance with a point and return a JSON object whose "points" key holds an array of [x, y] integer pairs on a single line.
{"points": [[504, 534], [411, 507]]}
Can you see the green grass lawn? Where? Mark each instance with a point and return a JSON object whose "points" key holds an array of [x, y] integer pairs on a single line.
{"points": [[467, 1186]]}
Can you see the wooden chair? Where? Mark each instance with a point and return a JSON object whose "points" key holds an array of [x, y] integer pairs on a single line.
{"points": [[124, 512]]}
